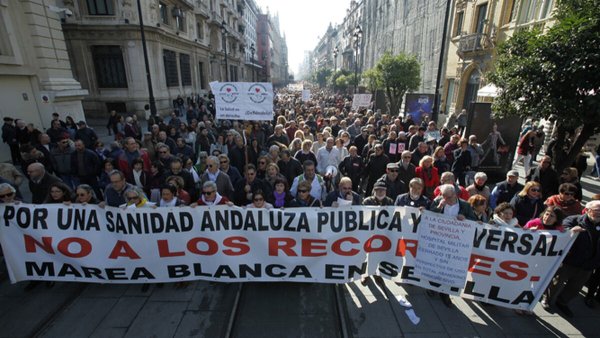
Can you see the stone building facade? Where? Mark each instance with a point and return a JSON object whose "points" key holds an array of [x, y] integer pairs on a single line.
{"points": [[476, 29], [36, 78]]}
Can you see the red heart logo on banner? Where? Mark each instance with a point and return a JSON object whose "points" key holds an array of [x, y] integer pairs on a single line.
{"points": [[228, 90], [257, 90]]}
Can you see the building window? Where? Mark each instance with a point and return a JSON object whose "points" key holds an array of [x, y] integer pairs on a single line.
{"points": [[200, 29], [460, 18], [186, 73], [170, 60], [109, 66], [481, 18], [201, 75], [546, 9], [100, 7], [180, 22], [164, 13]]}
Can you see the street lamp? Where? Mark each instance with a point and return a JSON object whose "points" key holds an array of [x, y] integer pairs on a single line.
{"points": [[252, 50], [151, 100], [224, 37], [336, 51], [357, 36]]}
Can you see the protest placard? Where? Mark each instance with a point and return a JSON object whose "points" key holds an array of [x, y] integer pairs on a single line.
{"points": [[243, 100]]}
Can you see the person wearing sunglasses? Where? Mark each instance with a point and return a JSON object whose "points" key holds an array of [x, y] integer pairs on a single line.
{"points": [[136, 199], [528, 203], [210, 196], [259, 202], [303, 197], [565, 200], [8, 194], [84, 194]]}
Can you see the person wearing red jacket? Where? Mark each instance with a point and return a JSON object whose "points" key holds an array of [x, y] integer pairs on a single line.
{"points": [[429, 174]]}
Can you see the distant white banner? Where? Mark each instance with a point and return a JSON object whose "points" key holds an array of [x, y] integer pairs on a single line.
{"points": [[243, 100], [361, 100], [305, 95], [296, 86]]}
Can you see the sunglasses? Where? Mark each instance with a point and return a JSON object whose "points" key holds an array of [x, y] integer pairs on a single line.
{"points": [[262, 162], [534, 190], [568, 193], [7, 195], [393, 170], [224, 162], [208, 192], [302, 191], [133, 197]]}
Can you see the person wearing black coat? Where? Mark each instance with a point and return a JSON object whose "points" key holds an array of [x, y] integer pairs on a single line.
{"points": [[352, 166], [9, 136], [580, 262], [545, 175], [245, 188], [86, 134], [375, 167], [462, 162], [394, 186], [39, 182], [289, 167], [528, 203], [86, 166]]}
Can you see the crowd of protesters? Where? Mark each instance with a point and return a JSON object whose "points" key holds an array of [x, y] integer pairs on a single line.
{"points": [[320, 153]]}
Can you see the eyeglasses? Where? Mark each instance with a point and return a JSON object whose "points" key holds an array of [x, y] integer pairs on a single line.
{"points": [[7, 195], [224, 162], [133, 198], [393, 170], [262, 162], [568, 193], [162, 152], [211, 165], [82, 195], [302, 191], [258, 199], [208, 192], [534, 190]]}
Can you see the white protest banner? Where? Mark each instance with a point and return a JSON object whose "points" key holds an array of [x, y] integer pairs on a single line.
{"points": [[295, 87], [445, 248], [85, 243], [243, 100], [305, 95], [361, 100]]}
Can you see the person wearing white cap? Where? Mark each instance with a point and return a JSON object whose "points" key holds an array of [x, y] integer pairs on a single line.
{"points": [[504, 191]]}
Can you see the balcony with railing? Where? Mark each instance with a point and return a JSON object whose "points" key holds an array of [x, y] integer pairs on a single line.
{"points": [[469, 44], [202, 9]]}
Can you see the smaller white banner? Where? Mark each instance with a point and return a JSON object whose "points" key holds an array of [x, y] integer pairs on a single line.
{"points": [[305, 95], [243, 100], [361, 100]]}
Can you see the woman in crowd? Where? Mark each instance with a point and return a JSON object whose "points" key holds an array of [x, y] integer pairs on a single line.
{"points": [[429, 174], [136, 199], [281, 196], [440, 161], [504, 216], [478, 187], [319, 143], [528, 203], [8, 193], [565, 200], [71, 126], [219, 145], [261, 168], [414, 197], [303, 197], [138, 176], [273, 174], [343, 151], [295, 145], [253, 151], [482, 211], [306, 153], [59, 193], [84, 194], [550, 219], [183, 195], [168, 196], [188, 165], [258, 201], [571, 175], [108, 165], [202, 140]]}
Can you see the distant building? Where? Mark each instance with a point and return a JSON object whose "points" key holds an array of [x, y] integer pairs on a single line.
{"points": [[35, 73]]}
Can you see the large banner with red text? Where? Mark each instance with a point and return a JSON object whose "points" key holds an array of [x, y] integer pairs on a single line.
{"points": [[85, 243]]}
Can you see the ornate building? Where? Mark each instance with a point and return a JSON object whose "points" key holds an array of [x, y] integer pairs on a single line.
{"points": [[35, 74], [476, 29]]}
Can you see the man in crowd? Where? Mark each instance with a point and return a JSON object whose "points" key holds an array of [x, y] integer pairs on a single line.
{"points": [[352, 166], [343, 195], [39, 182], [394, 186], [212, 173], [310, 174], [504, 191]]}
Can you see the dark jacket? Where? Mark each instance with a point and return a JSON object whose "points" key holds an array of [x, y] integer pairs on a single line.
{"points": [[548, 179], [352, 167], [39, 190], [585, 252], [526, 209], [504, 193], [334, 195], [290, 169], [464, 208], [372, 200], [91, 164], [239, 194], [394, 188], [462, 162], [87, 136], [404, 200], [405, 175]]}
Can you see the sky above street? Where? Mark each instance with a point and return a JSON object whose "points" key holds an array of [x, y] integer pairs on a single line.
{"points": [[304, 22]]}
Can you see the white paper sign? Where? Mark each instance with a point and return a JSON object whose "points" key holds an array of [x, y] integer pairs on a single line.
{"points": [[447, 246], [361, 100], [305, 95], [251, 101]]}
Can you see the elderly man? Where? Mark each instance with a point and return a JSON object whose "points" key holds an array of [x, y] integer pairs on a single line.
{"points": [[376, 167], [580, 262], [114, 194], [289, 167], [449, 178], [390, 179], [353, 166], [85, 166], [176, 167], [39, 182], [379, 197], [504, 191], [246, 187], [231, 171], [479, 187], [131, 152], [213, 174], [343, 195], [327, 156], [61, 160]]}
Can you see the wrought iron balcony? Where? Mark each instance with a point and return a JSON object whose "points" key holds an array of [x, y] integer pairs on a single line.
{"points": [[471, 43]]}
